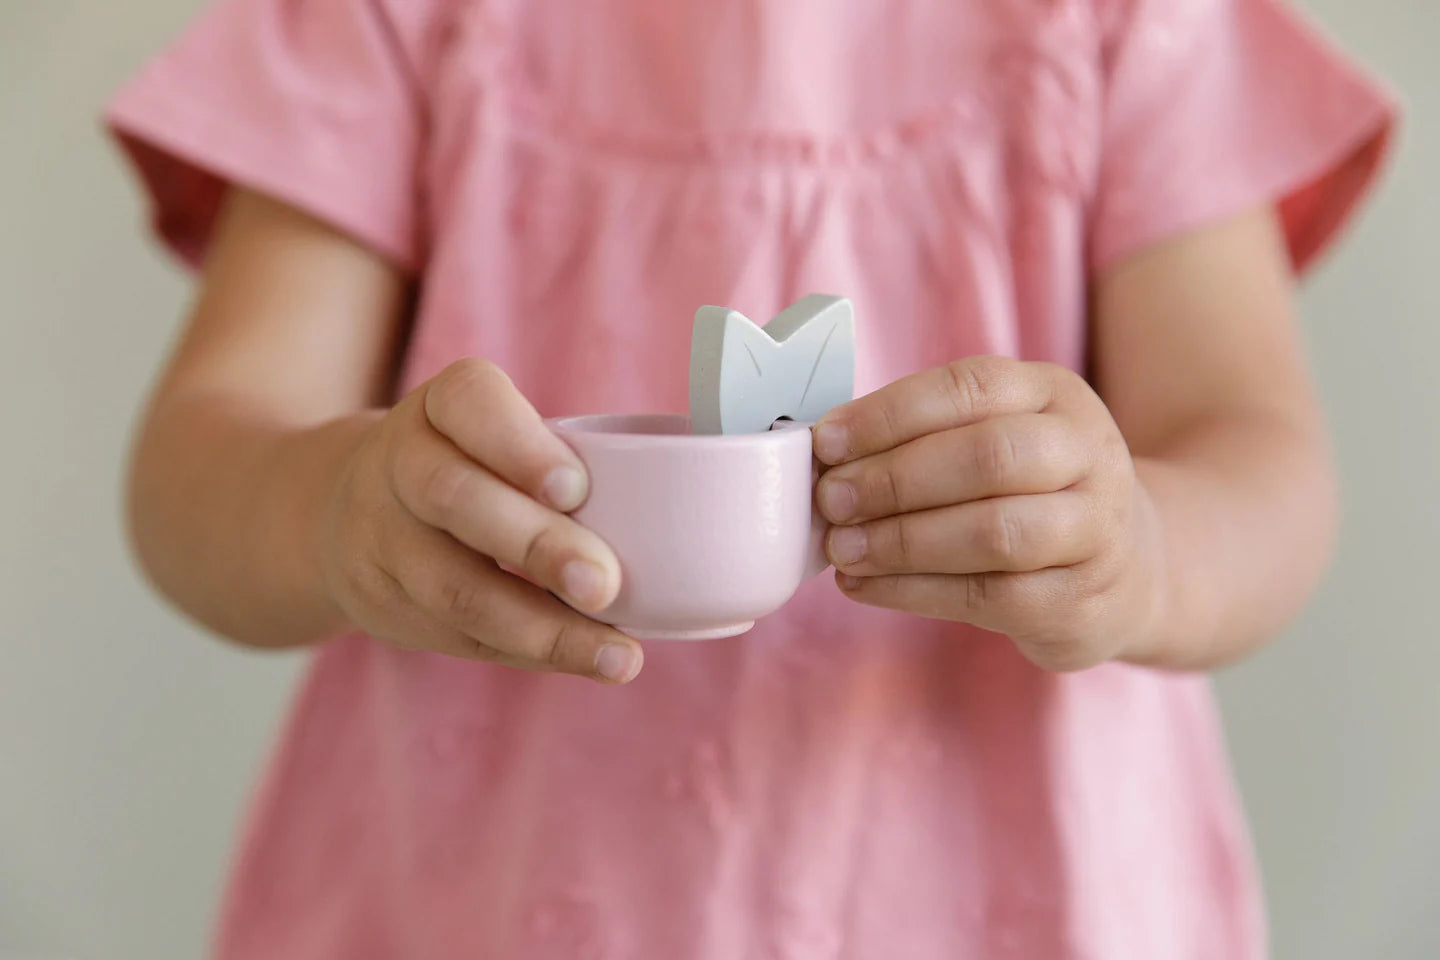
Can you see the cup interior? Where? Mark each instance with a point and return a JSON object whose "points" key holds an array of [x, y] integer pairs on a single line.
{"points": [[672, 425], [629, 424]]}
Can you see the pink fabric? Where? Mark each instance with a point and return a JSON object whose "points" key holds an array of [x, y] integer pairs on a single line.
{"points": [[569, 182]]}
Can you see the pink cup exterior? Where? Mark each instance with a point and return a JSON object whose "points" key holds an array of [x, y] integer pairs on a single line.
{"points": [[712, 532]]}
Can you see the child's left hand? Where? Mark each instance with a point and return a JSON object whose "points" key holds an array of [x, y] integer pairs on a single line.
{"points": [[996, 492]]}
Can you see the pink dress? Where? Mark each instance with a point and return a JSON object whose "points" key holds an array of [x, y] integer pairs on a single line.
{"points": [[568, 182]]}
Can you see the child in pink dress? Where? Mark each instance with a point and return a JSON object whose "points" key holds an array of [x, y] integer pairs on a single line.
{"points": [[1087, 466]]}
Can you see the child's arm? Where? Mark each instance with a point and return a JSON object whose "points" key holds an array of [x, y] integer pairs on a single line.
{"points": [[275, 499], [1180, 527], [1201, 362]]}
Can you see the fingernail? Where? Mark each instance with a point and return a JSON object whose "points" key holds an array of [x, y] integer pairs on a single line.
{"points": [[837, 500], [564, 488], [584, 583], [847, 545], [831, 444], [846, 582], [617, 663]]}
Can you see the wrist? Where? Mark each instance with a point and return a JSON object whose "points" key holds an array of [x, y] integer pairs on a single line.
{"points": [[309, 470], [1152, 614]]}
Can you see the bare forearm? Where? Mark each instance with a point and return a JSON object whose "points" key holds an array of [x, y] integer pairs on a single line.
{"points": [[225, 507], [1245, 511]]}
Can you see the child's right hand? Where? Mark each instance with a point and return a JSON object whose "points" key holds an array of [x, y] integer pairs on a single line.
{"points": [[458, 479], [273, 500]]}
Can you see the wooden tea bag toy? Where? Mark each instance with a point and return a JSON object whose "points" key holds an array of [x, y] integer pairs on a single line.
{"points": [[799, 366]]}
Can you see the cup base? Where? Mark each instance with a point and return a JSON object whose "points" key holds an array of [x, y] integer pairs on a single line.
{"points": [[713, 633]]}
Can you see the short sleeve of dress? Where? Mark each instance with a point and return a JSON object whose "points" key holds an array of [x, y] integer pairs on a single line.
{"points": [[313, 102], [1213, 107]]}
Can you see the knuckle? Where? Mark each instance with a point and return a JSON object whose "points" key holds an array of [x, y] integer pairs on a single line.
{"points": [[1003, 537], [1099, 576], [1093, 530], [463, 601], [540, 547], [563, 646], [371, 583], [885, 487], [460, 385], [1052, 448], [1066, 530], [482, 651], [902, 542], [882, 591], [1089, 524], [402, 472], [471, 372], [891, 422], [369, 476], [977, 592], [969, 386], [894, 488], [996, 456], [1057, 383], [1060, 376], [559, 640], [964, 388], [442, 488]]}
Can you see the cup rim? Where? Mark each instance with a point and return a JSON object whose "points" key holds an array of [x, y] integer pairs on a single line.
{"points": [[595, 425]]}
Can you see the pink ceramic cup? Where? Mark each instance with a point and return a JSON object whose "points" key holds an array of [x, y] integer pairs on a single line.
{"points": [[712, 532]]}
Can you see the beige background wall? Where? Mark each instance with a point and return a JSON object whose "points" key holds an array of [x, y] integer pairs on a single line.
{"points": [[127, 740]]}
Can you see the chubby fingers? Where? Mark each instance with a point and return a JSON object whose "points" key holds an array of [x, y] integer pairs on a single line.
{"points": [[461, 604], [447, 490], [474, 404], [1014, 534], [959, 393], [475, 460], [1017, 454], [1038, 610]]}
